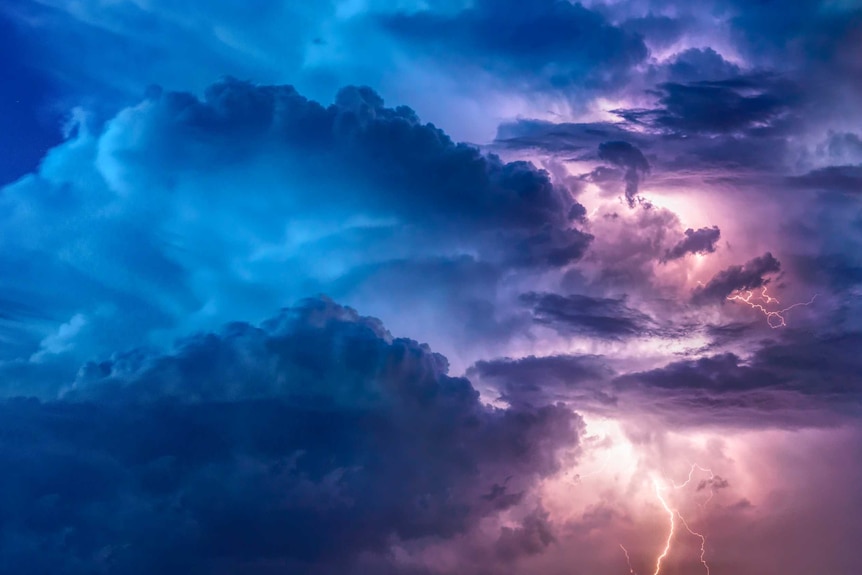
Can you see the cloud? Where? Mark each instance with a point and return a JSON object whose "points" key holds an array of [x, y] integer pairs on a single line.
{"points": [[315, 441], [531, 380], [735, 278], [801, 379], [403, 166], [259, 447], [841, 148], [184, 212], [700, 241], [28, 97], [750, 103], [626, 156], [840, 272], [533, 42], [700, 64], [657, 30], [846, 179], [530, 538], [577, 314], [562, 137]]}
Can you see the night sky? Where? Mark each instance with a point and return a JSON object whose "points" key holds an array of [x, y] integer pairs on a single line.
{"points": [[446, 287]]}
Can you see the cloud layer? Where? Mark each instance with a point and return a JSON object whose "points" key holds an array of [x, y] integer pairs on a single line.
{"points": [[264, 448], [630, 233]]}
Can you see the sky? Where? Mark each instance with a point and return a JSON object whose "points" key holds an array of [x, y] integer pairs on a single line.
{"points": [[412, 287]]}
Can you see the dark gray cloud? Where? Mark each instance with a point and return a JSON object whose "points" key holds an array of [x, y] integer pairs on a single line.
{"points": [[802, 378], [797, 379], [671, 154], [531, 380], [745, 277], [554, 44], [624, 155], [700, 64], [530, 538], [846, 179], [725, 334], [841, 272], [578, 314], [700, 241], [262, 447], [657, 30], [806, 34], [563, 137], [719, 373], [749, 104], [404, 165]]}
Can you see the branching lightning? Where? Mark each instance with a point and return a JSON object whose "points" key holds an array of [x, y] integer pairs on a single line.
{"points": [[710, 482], [672, 514], [666, 492], [774, 318]]}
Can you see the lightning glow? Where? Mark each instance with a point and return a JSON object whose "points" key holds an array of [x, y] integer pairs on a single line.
{"points": [[709, 481], [774, 318], [671, 516], [668, 491], [660, 488]]}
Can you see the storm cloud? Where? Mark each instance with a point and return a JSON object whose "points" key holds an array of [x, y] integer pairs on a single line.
{"points": [[560, 198], [631, 159], [700, 241], [578, 314], [262, 446], [735, 278], [516, 40]]}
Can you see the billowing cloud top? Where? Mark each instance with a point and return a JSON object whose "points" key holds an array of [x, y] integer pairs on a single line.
{"points": [[405, 288]]}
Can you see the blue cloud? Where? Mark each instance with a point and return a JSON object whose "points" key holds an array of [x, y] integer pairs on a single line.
{"points": [[257, 446], [552, 44], [182, 213]]}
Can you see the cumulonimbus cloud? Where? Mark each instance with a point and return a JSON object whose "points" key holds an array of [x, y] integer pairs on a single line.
{"points": [[315, 431]]}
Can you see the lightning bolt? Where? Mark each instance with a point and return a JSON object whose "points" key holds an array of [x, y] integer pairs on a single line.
{"points": [[702, 542], [628, 560], [774, 318], [672, 515], [710, 481]]}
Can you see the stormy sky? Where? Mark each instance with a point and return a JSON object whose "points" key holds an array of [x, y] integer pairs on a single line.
{"points": [[459, 287]]}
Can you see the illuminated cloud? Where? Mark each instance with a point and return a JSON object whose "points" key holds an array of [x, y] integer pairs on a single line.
{"points": [[580, 207], [700, 241], [184, 213], [735, 278]]}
